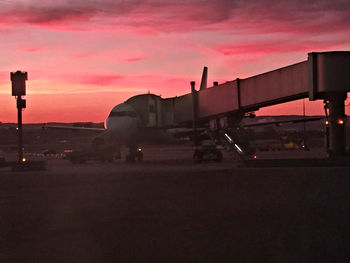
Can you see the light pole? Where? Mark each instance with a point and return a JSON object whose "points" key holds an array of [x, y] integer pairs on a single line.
{"points": [[18, 79]]}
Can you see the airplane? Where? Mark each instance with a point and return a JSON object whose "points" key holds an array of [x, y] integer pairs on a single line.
{"points": [[121, 127], [140, 119]]}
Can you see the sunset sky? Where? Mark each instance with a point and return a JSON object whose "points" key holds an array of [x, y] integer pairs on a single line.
{"points": [[85, 56]]}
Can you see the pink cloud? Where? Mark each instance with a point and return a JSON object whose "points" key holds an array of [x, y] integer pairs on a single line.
{"points": [[135, 59], [165, 84], [31, 49], [113, 55], [269, 47], [43, 15], [72, 46], [170, 16], [91, 79]]}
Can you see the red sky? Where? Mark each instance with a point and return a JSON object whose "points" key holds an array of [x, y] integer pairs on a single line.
{"points": [[85, 56]]}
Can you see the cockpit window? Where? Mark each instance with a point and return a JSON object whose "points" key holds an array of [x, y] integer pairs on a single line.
{"points": [[123, 114]]}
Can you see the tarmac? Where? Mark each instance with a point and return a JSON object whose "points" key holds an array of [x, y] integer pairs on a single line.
{"points": [[168, 209]]}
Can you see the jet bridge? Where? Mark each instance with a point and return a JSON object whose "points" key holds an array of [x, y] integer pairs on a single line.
{"points": [[324, 75]]}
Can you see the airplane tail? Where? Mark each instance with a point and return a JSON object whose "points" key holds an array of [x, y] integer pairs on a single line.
{"points": [[204, 79]]}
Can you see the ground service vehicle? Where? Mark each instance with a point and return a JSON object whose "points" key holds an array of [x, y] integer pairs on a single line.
{"points": [[206, 149], [84, 155]]}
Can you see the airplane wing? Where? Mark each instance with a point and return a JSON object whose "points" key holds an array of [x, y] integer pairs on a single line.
{"points": [[183, 132], [74, 128], [283, 121]]}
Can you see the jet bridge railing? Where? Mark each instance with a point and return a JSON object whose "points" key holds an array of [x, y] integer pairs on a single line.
{"points": [[278, 86], [325, 75], [321, 74]]}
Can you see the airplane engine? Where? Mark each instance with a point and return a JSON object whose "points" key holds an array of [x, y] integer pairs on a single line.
{"points": [[105, 142], [98, 143]]}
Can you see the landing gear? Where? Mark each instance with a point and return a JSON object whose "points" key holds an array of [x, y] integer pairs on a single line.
{"points": [[218, 156], [206, 149], [135, 154], [197, 156], [130, 158], [139, 155], [205, 155]]}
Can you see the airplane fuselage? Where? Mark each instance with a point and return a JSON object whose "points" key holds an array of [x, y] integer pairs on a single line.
{"points": [[123, 122]]}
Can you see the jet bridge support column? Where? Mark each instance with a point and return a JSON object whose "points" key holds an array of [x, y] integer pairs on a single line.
{"points": [[329, 79], [194, 111], [336, 123]]}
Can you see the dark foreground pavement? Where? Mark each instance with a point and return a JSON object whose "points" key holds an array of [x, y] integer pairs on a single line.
{"points": [[173, 212]]}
